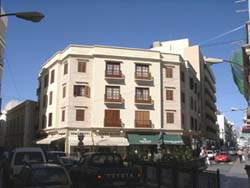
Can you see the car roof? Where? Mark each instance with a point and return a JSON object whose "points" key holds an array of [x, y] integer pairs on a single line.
{"points": [[27, 149], [55, 152], [44, 165], [101, 153]]}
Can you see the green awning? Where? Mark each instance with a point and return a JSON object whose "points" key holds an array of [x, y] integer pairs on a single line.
{"points": [[173, 139], [138, 139]]}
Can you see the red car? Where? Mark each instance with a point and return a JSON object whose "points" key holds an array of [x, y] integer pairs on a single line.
{"points": [[222, 157]]}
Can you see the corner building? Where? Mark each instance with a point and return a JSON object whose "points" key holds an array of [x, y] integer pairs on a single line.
{"points": [[119, 98]]}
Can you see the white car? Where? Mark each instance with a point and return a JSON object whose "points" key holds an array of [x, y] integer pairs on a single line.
{"points": [[211, 154], [24, 155]]}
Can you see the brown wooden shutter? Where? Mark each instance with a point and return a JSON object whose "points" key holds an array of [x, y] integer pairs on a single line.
{"points": [[170, 117], [79, 115], [169, 72], [64, 91], [87, 91], [169, 94], [75, 90]]}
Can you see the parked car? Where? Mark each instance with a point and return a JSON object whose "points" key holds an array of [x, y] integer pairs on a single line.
{"points": [[69, 162], [23, 155], [104, 169], [222, 156], [211, 154], [53, 156], [42, 175]]}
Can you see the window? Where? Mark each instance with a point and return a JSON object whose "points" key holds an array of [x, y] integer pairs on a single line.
{"points": [[195, 124], [182, 118], [65, 70], [183, 99], [43, 121], [195, 88], [192, 123], [64, 92], [191, 83], [81, 66], [169, 72], [52, 76], [142, 119], [112, 92], [63, 115], [112, 118], [169, 94], [50, 120], [45, 101], [79, 115], [142, 94], [170, 117], [81, 90], [50, 97], [113, 69], [46, 80], [142, 71], [182, 76], [191, 103]]}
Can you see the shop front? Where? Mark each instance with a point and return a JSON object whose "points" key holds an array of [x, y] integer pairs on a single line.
{"points": [[145, 147], [142, 146], [106, 143]]}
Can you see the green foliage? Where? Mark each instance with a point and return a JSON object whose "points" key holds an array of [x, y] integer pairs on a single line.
{"points": [[184, 154]]}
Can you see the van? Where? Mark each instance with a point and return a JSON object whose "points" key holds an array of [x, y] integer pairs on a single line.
{"points": [[24, 155]]}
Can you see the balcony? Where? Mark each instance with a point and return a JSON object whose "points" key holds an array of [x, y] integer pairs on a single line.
{"points": [[143, 76], [143, 100], [113, 99], [112, 122], [111, 74], [143, 124]]}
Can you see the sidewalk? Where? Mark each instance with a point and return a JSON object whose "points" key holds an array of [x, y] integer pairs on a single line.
{"points": [[237, 176]]}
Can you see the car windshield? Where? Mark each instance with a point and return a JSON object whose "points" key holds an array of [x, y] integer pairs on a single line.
{"points": [[30, 157], [98, 160], [48, 176]]}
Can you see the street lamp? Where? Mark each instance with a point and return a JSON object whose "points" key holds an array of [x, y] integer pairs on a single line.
{"points": [[238, 109], [80, 136], [217, 61], [30, 16]]}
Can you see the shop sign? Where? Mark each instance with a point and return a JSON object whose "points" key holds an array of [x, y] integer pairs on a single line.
{"points": [[145, 141]]}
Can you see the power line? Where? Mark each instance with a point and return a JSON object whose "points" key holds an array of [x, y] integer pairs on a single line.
{"points": [[223, 43], [223, 34]]}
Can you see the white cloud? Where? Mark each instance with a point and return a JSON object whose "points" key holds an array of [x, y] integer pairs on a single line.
{"points": [[11, 104]]}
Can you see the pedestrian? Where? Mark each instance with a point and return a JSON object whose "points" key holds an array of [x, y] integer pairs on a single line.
{"points": [[202, 152], [206, 156], [239, 153]]}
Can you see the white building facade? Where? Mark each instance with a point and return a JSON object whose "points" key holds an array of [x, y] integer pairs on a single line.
{"points": [[117, 97]]}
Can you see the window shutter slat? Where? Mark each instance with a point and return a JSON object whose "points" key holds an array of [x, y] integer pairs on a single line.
{"points": [[87, 91]]}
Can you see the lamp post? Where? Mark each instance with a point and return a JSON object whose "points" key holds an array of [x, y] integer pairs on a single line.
{"points": [[29, 16], [80, 136], [217, 61], [238, 109]]}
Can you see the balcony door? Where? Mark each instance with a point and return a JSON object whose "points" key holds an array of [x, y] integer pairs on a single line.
{"points": [[112, 93], [142, 94], [142, 71], [112, 118], [113, 69], [142, 119]]}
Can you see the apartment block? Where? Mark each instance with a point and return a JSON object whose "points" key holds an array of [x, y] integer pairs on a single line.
{"points": [[226, 131], [3, 26], [204, 86], [118, 97], [21, 125]]}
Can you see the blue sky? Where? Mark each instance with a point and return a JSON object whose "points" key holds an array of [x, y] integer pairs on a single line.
{"points": [[125, 23]]}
